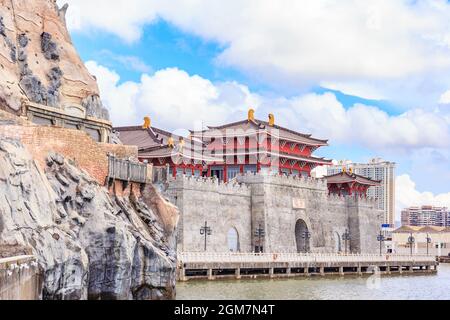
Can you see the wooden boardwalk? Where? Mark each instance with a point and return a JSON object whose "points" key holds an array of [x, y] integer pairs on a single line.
{"points": [[214, 266]]}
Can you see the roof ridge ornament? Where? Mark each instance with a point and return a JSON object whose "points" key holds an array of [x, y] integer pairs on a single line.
{"points": [[251, 115], [147, 123], [271, 120]]}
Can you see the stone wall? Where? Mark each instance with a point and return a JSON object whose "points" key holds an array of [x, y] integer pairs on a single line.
{"points": [[223, 206], [276, 204]]}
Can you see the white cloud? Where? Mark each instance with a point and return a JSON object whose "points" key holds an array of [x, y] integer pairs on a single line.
{"points": [[175, 99], [445, 98], [407, 195], [397, 49]]}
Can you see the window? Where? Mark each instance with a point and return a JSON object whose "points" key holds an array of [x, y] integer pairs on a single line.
{"points": [[250, 168], [233, 172]]}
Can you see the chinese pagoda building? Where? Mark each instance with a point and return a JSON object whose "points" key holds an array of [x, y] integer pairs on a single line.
{"points": [[259, 146], [348, 183], [227, 151], [182, 156]]}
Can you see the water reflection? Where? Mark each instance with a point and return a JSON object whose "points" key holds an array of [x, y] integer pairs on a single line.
{"points": [[410, 287]]}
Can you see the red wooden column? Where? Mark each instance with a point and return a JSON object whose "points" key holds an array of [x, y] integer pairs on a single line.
{"points": [[225, 173], [174, 171]]}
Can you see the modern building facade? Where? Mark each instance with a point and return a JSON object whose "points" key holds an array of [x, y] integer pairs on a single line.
{"points": [[247, 187], [378, 170], [426, 216]]}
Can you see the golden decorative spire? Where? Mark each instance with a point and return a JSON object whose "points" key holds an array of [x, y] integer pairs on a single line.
{"points": [[182, 143], [147, 123], [271, 120], [251, 115], [344, 169], [171, 143], [350, 170]]}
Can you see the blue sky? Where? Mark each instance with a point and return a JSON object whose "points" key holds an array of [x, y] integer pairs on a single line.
{"points": [[374, 79]]}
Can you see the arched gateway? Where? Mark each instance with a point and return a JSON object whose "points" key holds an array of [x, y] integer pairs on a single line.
{"points": [[302, 236], [233, 240]]}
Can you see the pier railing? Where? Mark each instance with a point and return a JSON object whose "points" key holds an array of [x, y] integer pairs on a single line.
{"points": [[20, 278], [201, 257]]}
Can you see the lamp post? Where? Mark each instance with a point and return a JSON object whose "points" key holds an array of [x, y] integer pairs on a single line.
{"points": [[260, 233], [307, 236], [428, 244], [411, 241], [346, 237], [205, 231], [381, 239]]}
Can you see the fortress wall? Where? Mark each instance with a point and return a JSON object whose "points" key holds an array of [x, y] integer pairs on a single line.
{"points": [[275, 203], [223, 206], [365, 220]]}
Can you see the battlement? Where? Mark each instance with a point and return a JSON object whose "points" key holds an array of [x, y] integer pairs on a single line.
{"points": [[352, 200], [284, 180], [209, 185]]}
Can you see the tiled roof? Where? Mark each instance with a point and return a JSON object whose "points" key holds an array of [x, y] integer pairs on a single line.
{"points": [[345, 177], [261, 127]]}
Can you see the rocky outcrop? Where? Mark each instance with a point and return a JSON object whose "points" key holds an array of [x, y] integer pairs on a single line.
{"points": [[39, 62], [90, 244]]}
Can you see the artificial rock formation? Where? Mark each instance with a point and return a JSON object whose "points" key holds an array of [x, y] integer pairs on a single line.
{"points": [[38, 61], [90, 244]]}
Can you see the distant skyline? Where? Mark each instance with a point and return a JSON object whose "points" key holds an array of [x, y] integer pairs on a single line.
{"points": [[373, 77]]}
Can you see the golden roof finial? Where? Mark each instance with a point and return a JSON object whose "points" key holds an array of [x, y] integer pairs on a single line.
{"points": [[251, 115], [147, 123], [350, 170], [271, 120], [344, 169], [171, 143], [182, 143]]}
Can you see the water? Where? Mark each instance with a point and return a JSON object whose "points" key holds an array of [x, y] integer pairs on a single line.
{"points": [[394, 287]]}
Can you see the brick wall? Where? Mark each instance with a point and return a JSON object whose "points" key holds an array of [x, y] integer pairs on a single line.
{"points": [[120, 151], [72, 144]]}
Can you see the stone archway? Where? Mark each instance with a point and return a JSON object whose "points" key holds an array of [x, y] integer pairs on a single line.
{"points": [[302, 236], [233, 240], [337, 242]]}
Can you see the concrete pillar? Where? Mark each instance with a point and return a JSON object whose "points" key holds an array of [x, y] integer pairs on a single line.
{"points": [[288, 271], [400, 269], [238, 273], [183, 274], [359, 270], [341, 271], [271, 273], [388, 270], [440, 250], [306, 271], [322, 271], [210, 274]]}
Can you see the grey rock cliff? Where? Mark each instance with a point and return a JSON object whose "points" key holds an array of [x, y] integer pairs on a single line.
{"points": [[90, 245]]}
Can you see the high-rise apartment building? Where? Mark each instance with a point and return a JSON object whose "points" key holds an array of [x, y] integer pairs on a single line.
{"points": [[426, 216], [376, 169]]}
